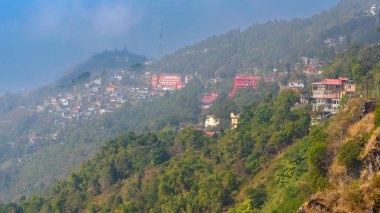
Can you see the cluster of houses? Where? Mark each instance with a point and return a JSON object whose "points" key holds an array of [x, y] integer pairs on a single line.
{"points": [[102, 95], [324, 96], [93, 99], [105, 94], [311, 66]]}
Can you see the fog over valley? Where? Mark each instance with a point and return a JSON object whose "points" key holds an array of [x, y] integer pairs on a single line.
{"points": [[40, 39]]}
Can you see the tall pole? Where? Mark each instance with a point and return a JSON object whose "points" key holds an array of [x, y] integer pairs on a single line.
{"points": [[161, 47]]}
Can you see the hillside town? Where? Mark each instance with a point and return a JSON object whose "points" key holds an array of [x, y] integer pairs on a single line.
{"points": [[105, 94]]}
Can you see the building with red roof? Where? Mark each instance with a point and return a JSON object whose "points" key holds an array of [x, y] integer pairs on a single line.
{"points": [[208, 100], [243, 81], [167, 81], [327, 94], [212, 134]]}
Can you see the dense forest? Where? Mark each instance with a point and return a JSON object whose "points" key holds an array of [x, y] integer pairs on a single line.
{"points": [[273, 162], [82, 139], [183, 171]]}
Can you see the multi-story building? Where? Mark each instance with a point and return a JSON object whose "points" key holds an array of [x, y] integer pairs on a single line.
{"points": [[234, 120], [167, 81], [243, 81], [327, 94]]}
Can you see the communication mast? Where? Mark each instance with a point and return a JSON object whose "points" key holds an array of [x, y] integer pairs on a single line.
{"points": [[161, 46]]}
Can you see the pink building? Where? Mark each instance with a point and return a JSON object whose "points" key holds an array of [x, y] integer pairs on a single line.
{"points": [[243, 81], [167, 81]]}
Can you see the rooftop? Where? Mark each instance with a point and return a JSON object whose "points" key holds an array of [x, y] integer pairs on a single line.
{"points": [[333, 81]]}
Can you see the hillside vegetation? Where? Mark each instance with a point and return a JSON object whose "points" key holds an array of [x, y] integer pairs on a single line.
{"points": [[277, 44], [184, 171], [273, 162]]}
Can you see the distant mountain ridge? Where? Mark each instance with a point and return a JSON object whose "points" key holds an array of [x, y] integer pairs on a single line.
{"points": [[105, 61], [277, 44]]}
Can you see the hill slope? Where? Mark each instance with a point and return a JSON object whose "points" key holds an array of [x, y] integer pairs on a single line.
{"points": [[106, 61], [273, 162], [261, 45], [277, 44]]}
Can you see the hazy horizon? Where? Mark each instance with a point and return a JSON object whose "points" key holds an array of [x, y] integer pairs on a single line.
{"points": [[41, 39]]}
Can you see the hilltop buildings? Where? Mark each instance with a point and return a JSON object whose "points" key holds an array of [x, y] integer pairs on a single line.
{"points": [[243, 81], [327, 94], [166, 81]]}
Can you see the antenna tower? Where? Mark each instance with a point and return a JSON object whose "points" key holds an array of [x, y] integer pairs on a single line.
{"points": [[161, 48]]}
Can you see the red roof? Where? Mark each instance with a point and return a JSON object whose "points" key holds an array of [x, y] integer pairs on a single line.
{"points": [[207, 99], [212, 134], [330, 81], [247, 77]]}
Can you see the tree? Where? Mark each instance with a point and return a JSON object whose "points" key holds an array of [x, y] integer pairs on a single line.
{"points": [[357, 72], [258, 196], [244, 207], [108, 176], [158, 154], [348, 155], [190, 137], [317, 156], [285, 100]]}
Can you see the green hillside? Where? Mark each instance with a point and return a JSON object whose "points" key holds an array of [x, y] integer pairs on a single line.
{"points": [[184, 171], [277, 44], [275, 161], [272, 134]]}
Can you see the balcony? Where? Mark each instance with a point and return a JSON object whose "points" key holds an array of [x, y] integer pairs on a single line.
{"points": [[327, 96]]}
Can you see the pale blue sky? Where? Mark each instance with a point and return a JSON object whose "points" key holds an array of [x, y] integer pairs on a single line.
{"points": [[39, 39]]}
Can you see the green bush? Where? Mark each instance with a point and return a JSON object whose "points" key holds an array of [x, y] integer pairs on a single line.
{"points": [[377, 116], [316, 180], [348, 155], [257, 196], [317, 156]]}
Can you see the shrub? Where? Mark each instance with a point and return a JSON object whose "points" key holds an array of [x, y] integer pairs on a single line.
{"points": [[376, 181], [258, 196], [348, 155], [316, 180], [317, 156], [377, 116]]}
